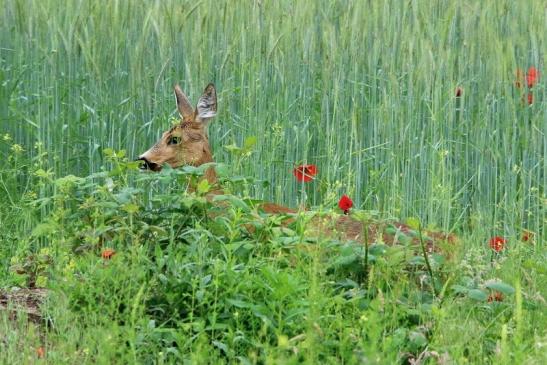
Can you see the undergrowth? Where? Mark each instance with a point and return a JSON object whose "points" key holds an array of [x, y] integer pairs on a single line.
{"points": [[142, 269]]}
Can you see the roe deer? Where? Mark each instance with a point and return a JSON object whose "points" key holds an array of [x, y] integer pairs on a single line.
{"points": [[187, 144]]}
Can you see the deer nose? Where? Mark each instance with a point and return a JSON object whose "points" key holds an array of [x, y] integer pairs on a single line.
{"points": [[148, 165]]}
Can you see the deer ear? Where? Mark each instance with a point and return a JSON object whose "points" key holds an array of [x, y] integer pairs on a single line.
{"points": [[207, 105], [183, 104]]}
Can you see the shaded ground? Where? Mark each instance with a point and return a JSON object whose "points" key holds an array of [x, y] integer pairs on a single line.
{"points": [[21, 300]]}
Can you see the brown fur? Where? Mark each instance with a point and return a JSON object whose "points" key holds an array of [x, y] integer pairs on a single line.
{"points": [[187, 144]]}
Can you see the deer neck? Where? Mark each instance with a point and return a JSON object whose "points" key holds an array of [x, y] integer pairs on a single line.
{"points": [[210, 175]]}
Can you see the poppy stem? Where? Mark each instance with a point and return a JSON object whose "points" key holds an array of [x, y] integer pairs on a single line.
{"points": [[427, 264], [365, 234]]}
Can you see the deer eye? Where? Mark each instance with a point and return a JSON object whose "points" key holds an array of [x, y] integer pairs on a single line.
{"points": [[174, 140]]}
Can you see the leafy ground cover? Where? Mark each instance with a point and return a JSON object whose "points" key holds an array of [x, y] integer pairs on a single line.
{"points": [[432, 113], [139, 270]]}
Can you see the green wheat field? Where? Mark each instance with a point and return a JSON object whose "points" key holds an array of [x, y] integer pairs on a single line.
{"points": [[431, 113]]}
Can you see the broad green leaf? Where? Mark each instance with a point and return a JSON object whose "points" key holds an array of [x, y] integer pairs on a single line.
{"points": [[501, 287], [413, 222], [41, 173], [459, 289], [232, 148], [417, 339], [403, 238], [417, 260], [203, 187], [391, 230], [223, 170], [477, 294], [345, 260], [239, 303], [236, 202], [108, 152], [249, 143], [130, 208], [377, 249], [438, 259]]}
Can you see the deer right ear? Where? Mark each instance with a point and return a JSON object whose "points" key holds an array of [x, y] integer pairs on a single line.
{"points": [[183, 104], [207, 105]]}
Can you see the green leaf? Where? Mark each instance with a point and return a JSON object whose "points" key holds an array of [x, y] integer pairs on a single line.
{"points": [[108, 152], [107, 205], [236, 202], [206, 280], [361, 215], [395, 255], [438, 259], [404, 239], [501, 287], [44, 229], [232, 148], [413, 222], [249, 143], [478, 295], [131, 208], [377, 249], [68, 181], [203, 187], [342, 261], [133, 165], [417, 260], [391, 230], [223, 170], [41, 173], [459, 289], [239, 303], [126, 195], [417, 339]]}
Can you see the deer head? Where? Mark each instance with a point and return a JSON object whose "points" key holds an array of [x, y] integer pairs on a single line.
{"points": [[185, 143]]}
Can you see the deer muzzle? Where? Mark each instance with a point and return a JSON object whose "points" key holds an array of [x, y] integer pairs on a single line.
{"points": [[148, 165]]}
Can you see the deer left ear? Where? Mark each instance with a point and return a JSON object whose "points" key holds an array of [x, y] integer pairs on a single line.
{"points": [[183, 105], [207, 105]]}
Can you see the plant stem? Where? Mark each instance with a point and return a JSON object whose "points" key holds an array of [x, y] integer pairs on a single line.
{"points": [[427, 264], [365, 234]]}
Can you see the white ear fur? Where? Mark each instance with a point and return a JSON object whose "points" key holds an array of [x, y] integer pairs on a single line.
{"points": [[207, 105]]}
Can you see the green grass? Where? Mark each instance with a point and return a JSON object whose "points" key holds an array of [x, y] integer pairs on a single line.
{"points": [[364, 90]]}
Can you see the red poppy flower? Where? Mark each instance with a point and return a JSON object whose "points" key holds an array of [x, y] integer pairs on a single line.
{"points": [[40, 352], [497, 243], [305, 173], [520, 78], [527, 236], [495, 297], [532, 76], [108, 253], [459, 91], [345, 204]]}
